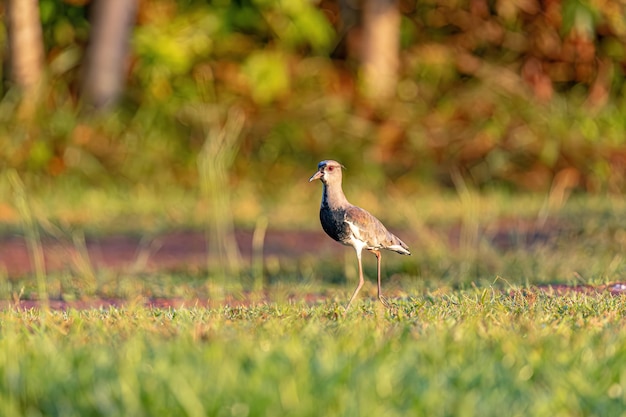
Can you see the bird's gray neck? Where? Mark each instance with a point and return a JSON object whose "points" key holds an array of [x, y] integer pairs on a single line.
{"points": [[333, 197]]}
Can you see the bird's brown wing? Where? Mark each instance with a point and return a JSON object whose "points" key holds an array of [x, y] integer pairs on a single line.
{"points": [[369, 229]]}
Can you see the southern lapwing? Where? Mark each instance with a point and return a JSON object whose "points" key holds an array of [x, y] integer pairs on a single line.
{"points": [[351, 225]]}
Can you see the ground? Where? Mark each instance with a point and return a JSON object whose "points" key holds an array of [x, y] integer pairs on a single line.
{"points": [[185, 250]]}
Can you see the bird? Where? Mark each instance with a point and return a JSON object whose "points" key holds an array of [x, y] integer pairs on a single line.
{"points": [[352, 225]]}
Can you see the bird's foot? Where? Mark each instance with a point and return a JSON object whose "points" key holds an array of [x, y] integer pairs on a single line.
{"points": [[392, 308], [384, 300]]}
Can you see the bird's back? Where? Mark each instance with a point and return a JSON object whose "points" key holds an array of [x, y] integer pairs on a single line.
{"points": [[368, 229]]}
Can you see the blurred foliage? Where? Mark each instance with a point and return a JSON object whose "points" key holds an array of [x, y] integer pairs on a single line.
{"points": [[524, 94]]}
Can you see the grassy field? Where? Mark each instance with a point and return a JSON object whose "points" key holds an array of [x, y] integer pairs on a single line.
{"points": [[471, 334], [467, 353]]}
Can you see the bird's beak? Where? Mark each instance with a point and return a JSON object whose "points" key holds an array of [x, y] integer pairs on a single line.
{"points": [[316, 176]]}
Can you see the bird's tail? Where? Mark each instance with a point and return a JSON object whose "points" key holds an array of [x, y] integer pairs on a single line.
{"points": [[398, 245]]}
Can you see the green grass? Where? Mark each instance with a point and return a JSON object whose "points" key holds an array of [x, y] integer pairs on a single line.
{"points": [[148, 207], [464, 340], [468, 353]]}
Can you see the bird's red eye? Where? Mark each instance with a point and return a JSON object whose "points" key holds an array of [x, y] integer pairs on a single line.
{"points": [[330, 168]]}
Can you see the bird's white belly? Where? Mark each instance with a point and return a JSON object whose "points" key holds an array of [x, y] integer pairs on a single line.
{"points": [[357, 244]]}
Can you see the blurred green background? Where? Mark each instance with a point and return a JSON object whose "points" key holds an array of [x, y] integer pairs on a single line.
{"points": [[519, 97]]}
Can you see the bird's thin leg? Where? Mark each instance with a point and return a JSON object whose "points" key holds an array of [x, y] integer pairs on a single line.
{"points": [[380, 293], [361, 280]]}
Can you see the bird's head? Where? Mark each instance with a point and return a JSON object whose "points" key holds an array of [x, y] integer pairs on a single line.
{"points": [[328, 171]]}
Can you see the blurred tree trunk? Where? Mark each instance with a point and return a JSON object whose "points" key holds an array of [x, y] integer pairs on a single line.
{"points": [[348, 31], [112, 22], [26, 52], [380, 48]]}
